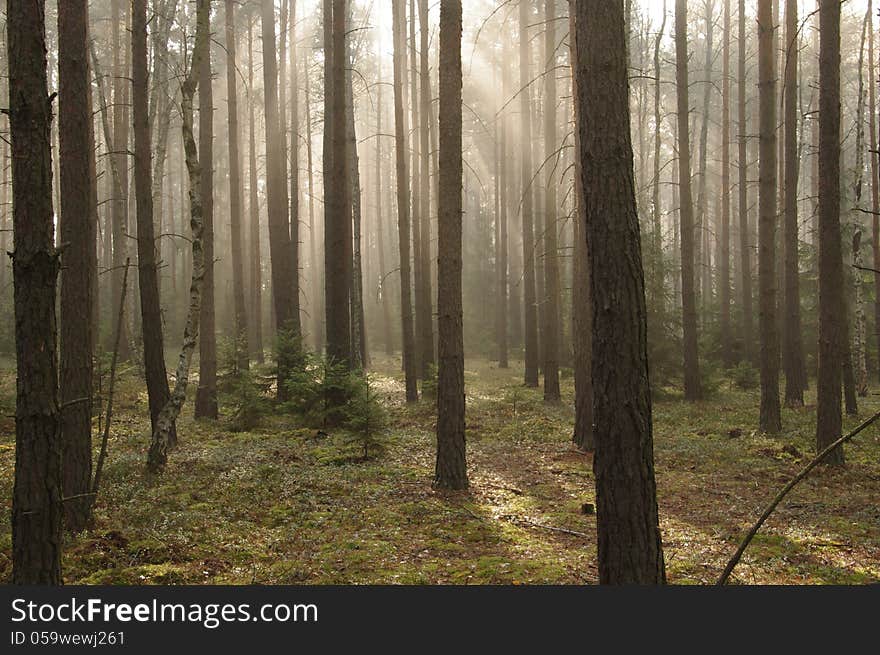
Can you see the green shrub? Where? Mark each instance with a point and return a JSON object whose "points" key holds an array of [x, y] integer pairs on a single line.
{"points": [[744, 376]]}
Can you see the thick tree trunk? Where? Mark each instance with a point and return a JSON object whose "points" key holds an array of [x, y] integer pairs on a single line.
{"points": [[831, 305], [551, 261], [451, 469], [692, 384], [206, 393], [78, 221], [36, 495], [769, 418], [630, 549], [242, 350], [403, 214]]}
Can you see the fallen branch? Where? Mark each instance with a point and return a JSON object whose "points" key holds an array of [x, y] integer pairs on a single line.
{"points": [[106, 436], [551, 528], [784, 492]]}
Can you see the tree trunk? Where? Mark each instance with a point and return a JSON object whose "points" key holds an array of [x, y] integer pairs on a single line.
{"points": [[256, 283], [380, 219], [148, 276], [747, 323], [658, 278], [451, 469], [242, 350], [206, 393], [875, 179], [583, 436], [628, 531], [337, 202], [36, 497], [551, 261], [793, 350], [78, 221], [769, 418], [692, 384], [358, 327], [427, 124], [724, 249], [295, 320], [859, 361], [701, 256], [279, 219], [831, 306], [158, 453], [403, 214], [530, 311], [315, 269]]}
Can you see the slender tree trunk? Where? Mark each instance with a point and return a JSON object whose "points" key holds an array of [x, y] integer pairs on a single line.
{"points": [[358, 326], [529, 299], [380, 217], [148, 276], [157, 456], [701, 255], [551, 261], [256, 283], [295, 320], [831, 306], [859, 341], [316, 290], [583, 436], [206, 393], [875, 178], [724, 263], [793, 355], [451, 469], [242, 348], [769, 419], [36, 497], [747, 324], [628, 531], [403, 214], [658, 279], [427, 124], [692, 384], [120, 188], [279, 219], [337, 203], [78, 221]]}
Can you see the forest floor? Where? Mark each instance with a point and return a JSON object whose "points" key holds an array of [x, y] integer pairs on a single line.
{"points": [[285, 504]]}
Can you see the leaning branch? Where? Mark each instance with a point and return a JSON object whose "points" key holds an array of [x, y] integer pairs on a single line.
{"points": [[784, 492]]}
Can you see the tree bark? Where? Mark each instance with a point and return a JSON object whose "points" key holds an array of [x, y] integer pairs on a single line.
{"points": [[36, 496], [628, 531], [78, 221], [451, 468], [724, 263], [747, 324], [831, 306]]}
